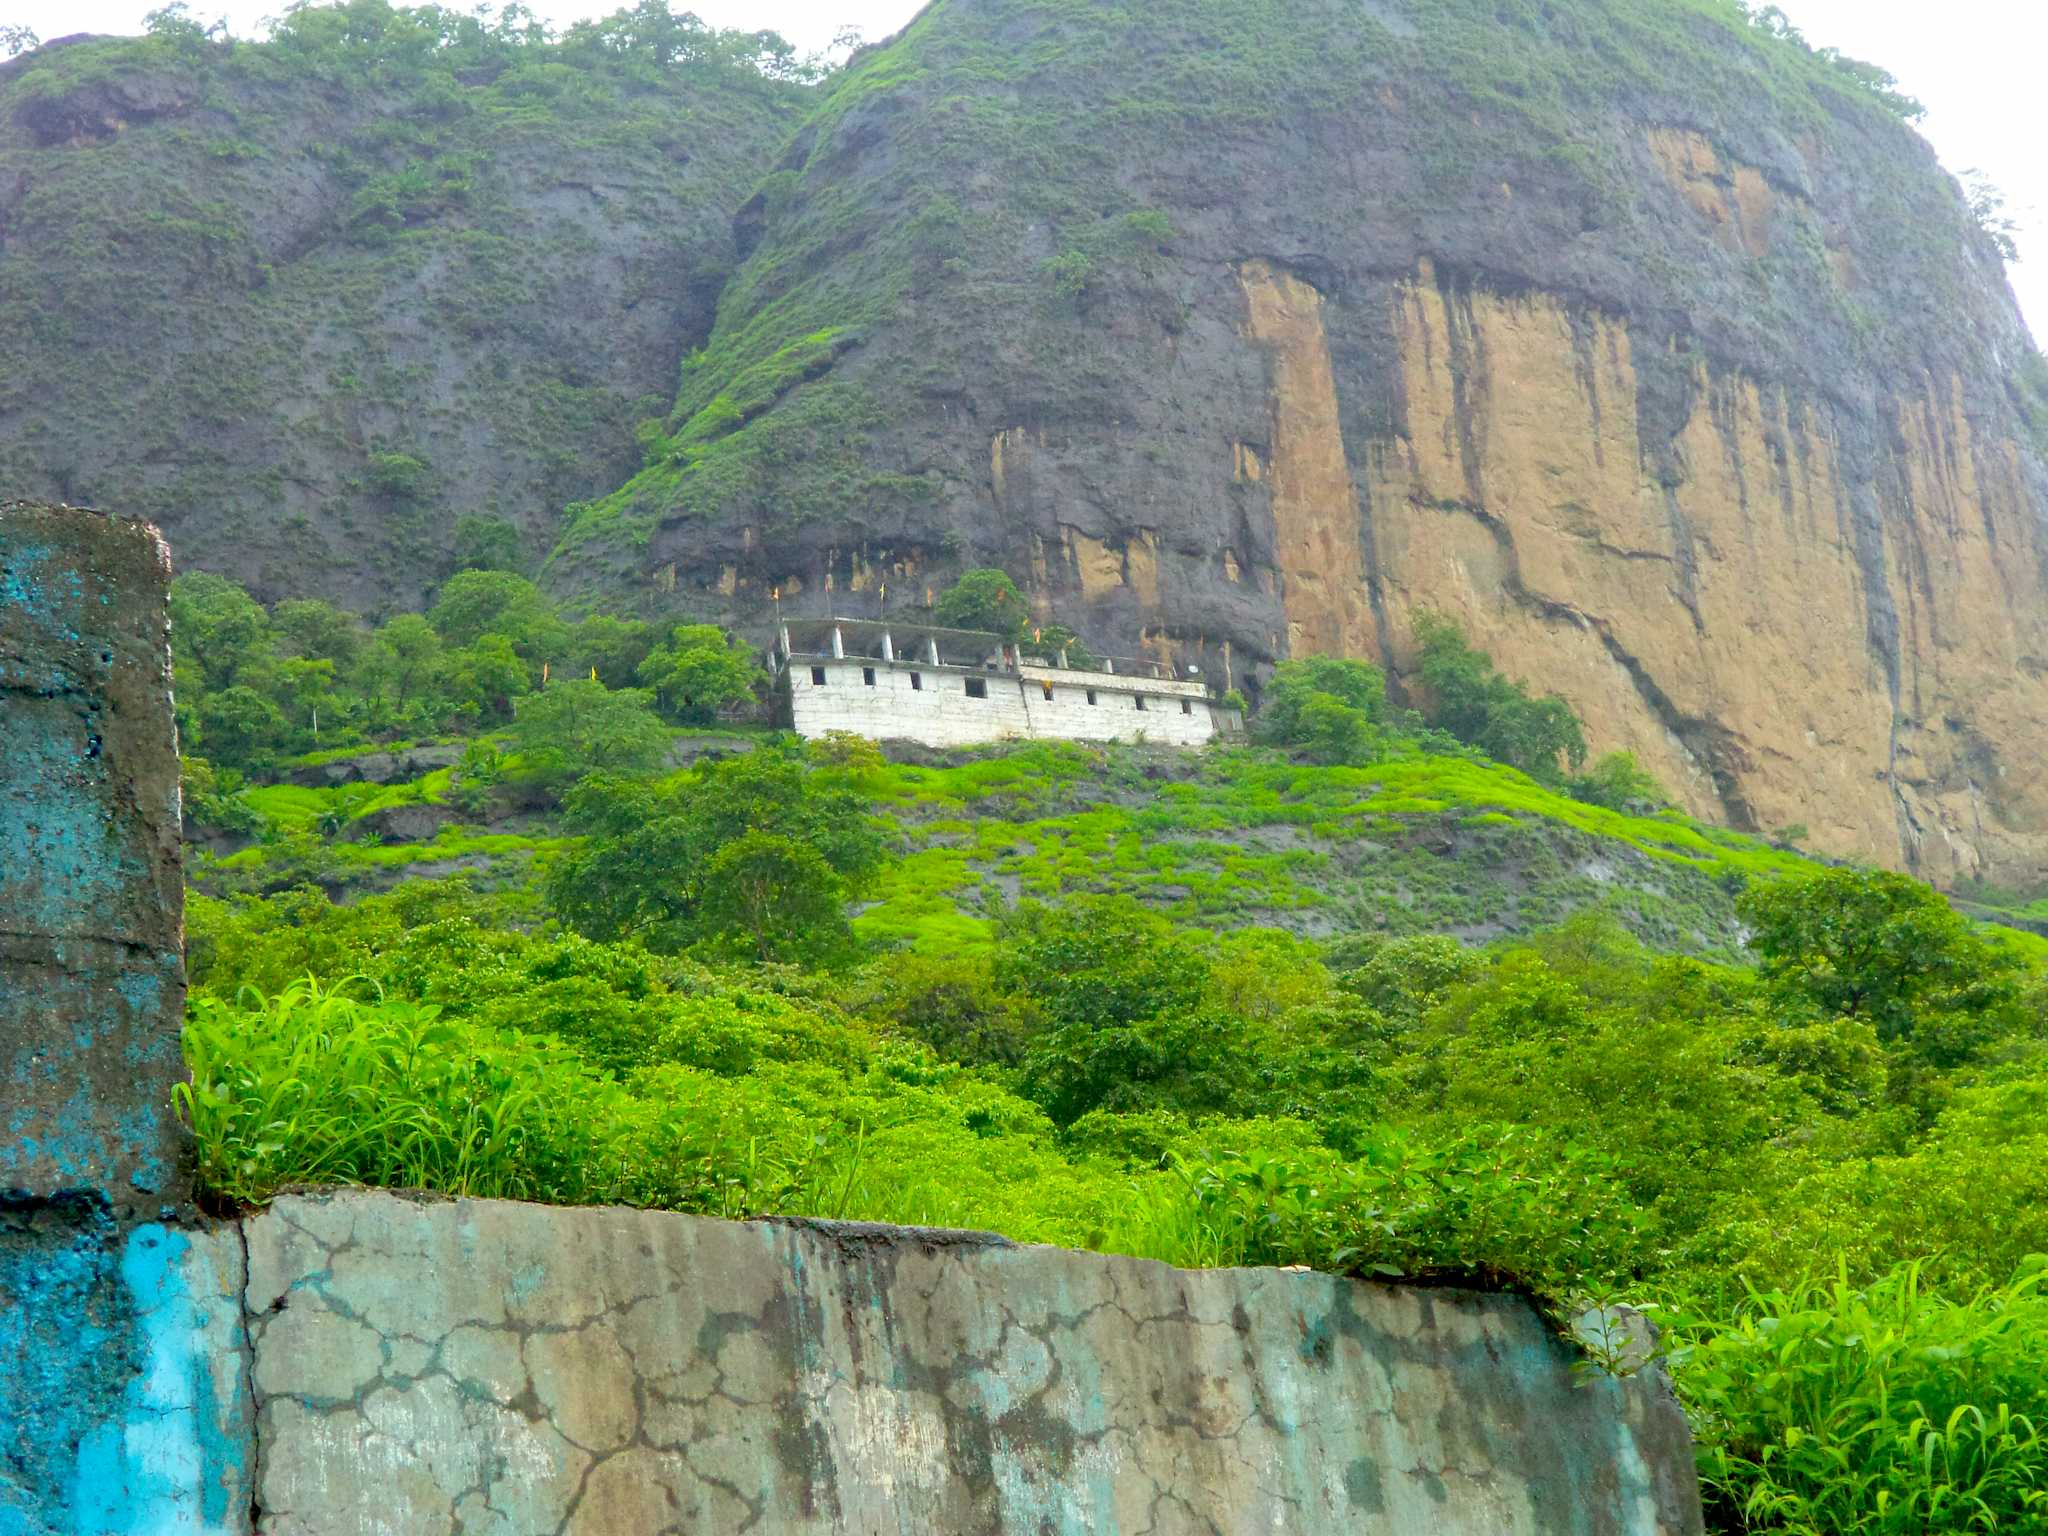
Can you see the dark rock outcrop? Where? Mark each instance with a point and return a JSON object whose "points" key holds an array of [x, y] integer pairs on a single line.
{"points": [[306, 304]]}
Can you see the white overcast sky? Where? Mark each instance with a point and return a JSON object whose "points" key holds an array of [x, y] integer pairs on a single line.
{"points": [[1977, 64]]}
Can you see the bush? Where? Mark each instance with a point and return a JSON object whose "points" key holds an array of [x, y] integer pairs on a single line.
{"points": [[1480, 707], [985, 599], [1620, 783]]}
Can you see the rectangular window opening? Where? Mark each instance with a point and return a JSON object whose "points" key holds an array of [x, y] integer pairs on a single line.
{"points": [[818, 676], [977, 687], [917, 682], [1139, 700], [1048, 691], [867, 675], [1187, 706], [1091, 695]]}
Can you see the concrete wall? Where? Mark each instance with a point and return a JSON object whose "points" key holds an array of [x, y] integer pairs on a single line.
{"points": [[91, 903], [357, 1363], [941, 713], [488, 1366], [119, 1320]]}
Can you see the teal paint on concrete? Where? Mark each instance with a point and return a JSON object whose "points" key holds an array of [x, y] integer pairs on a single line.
{"points": [[91, 889], [123, 1402], [66, 1344], [174, 1457]]}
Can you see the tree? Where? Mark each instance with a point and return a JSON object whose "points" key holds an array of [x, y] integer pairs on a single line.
{"points": [[1357, 684], [14, 40], [238, 726], [319, 631], [699, 672], [219, 626], [655, 856], [1326, 705], [1331, 731], [487, 544], [577, 726], [1098, 961], [1620, 783], [475, 603], [1480, 707], [612, 648], [1880, 947], [306, 688], [486, 677], [985, 599], [1987, 209], [402, 660], [773, 898]]}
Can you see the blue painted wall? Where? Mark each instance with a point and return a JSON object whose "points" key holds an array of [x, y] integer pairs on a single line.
{"points": [[122, 1363]]}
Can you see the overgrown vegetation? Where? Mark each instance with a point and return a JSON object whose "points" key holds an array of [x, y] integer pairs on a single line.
{"points": [[1199, 1007]]}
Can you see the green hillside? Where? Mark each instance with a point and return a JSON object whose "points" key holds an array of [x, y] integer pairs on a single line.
{"points": [[1033, 209], [1351, 994]]}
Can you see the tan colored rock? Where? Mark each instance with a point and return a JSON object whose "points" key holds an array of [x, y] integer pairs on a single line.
{"points": [[1725, 610]]}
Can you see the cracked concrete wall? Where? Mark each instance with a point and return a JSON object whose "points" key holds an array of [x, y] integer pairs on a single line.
{"points": [[488, 1366]]}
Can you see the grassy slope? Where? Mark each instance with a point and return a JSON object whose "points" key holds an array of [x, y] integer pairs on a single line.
{"points": [[1226, 838]]}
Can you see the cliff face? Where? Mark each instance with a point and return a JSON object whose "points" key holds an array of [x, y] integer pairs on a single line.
{"points": [[306, 304], [1657, 350]]}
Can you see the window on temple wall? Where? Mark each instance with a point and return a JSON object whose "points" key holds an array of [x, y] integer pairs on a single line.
{"points": [[977, 687], [867, 675], [917, 682], [1091, 695], [1139, 700], [1187, 706], [1048, 691], [818, 676]]}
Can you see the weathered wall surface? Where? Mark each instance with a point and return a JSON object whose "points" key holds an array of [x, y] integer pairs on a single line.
{"points": [[91, 978], [119, 1372], [488, 1366]]}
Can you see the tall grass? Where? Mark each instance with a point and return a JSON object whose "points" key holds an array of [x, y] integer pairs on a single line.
{"points": [[320, 1085], [1833, 1410]]}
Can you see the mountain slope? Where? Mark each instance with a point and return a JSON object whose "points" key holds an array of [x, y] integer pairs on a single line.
{"points": [[1653, 346], [307, 303]]}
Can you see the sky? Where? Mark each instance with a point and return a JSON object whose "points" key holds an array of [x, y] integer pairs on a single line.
{"points": [[1976, 64]]}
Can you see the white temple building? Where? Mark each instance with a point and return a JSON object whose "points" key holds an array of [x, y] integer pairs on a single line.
{"points": [[893, 680]]}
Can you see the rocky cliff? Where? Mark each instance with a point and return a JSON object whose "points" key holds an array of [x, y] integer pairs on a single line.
{"points": [[1654, 347], [1651, 344], [307, 304]]}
